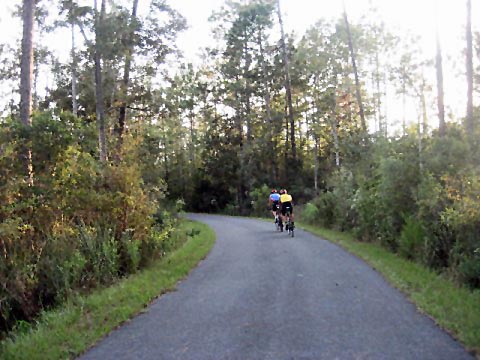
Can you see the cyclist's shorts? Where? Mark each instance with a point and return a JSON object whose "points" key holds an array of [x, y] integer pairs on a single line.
{"points": [[275, 206], [287, 206]]}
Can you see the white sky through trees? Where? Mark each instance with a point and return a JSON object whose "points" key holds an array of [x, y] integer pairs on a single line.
{"points": [[415, 16]]}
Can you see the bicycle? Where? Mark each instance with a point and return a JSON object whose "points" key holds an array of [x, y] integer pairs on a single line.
{"points": [[278, 221], [289, 226]]}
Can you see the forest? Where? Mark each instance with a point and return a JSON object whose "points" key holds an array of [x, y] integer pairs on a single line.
{"points": [[95, 169]]}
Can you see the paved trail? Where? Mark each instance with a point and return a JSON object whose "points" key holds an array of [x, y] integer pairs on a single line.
{"points": [[263, 295]]}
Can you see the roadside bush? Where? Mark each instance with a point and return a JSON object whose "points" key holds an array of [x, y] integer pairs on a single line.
{"points": [[463, 216], [412, 239], [310, 214], [325, 204], [395, 197], [259, 199], [81, 224], [369, 213], [468, 270], [100, 249], [344, 188]]}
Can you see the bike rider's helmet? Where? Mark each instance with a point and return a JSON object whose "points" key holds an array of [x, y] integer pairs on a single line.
{"points": [[282, 191], [274, 191]]}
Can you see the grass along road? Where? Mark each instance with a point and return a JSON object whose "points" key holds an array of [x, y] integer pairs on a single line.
{"points": [[71, 329], [455, 309]]}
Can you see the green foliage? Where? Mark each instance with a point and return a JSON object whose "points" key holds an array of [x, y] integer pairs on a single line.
{"points": [[428, 212], [310, 213], [367, 208], [325, 204], [81, 321], [412, 239], [81, 224], [259, 200], [469, 270]]}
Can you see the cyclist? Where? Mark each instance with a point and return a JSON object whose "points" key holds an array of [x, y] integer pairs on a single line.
{"points": [[286, 201], [273, 201]]}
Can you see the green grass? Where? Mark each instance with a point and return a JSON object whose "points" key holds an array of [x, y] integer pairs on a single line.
{"points": [[454, 308], [68, 331]]}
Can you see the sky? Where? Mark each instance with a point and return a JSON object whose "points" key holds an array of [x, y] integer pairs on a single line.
{"points": [[415, 16]]}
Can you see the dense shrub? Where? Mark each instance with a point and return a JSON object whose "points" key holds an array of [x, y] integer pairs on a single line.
{"points": [[325, 204], [259, 201], [412, 239], [81, 224], [310, 213], [424, 206]]}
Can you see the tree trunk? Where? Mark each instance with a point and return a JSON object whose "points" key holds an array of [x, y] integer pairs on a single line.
{"points": [[26, 74], [420, 143], [36, 70], [385, 121], [315, 164], [120, 129], [192, 138], [404, 105], [379, 95], [469, 123], [74, 72], [335, 137], [100, 112], [334, 124], [355, 72], [246, 93], [440, 100], [285, 162], [424, 107], [288, 85], [375, 110], [268, 110]]}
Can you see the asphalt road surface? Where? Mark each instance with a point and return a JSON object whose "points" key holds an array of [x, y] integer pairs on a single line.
{"points": [[263, 295]]}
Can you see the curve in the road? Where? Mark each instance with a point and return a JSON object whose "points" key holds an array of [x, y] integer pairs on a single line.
{"points": [[263, 295]]}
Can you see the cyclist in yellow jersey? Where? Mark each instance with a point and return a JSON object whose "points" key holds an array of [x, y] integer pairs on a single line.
{"points": [[286, 201]]}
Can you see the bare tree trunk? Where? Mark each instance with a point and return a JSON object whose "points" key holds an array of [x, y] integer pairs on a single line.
{"points": [[120, 129], [424, 108], [26, 66], [36, 71], [440, 100], [74, 72], [310, 132], [375, 109], [404, 105], [192, 138], [288, 85], [335, 140], [355, 72], [268, 110], [420, 143], [469, 124], [26, 74], [285, 163], [100, 112], [334, 124], [385, 88], [165, 152], [315, 164], [379, 95], [246, 93]]}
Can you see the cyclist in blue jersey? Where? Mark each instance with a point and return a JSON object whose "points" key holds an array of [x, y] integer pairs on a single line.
{"points": [[273, 201]]}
